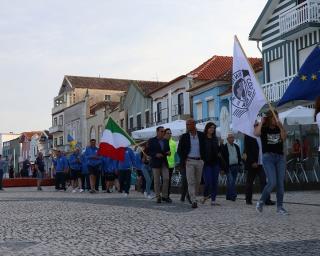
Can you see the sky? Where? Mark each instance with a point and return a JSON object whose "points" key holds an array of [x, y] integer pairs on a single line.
{"points": [[158, 40]]}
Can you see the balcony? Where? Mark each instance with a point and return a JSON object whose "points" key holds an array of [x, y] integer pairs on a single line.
{"points": [[300, 18], [58, 108], [275, 90], [55, 129]]}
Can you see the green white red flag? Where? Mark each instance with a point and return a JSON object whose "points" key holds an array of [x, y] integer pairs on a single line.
{"points": [[114, 141]]}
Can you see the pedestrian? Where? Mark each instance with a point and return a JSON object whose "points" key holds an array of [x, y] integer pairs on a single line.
{"points": [[60, 164], [159, 150], [75, 170], [253, 165], [191, 150], [26, 166], [146, 170], [85, 179], [108, 167], [11, 172], [125, 167], [172, 157], [231, 155], [211, 167], [39, 168], [94, 164], [273, 135], [2, 166], [317, 120]]}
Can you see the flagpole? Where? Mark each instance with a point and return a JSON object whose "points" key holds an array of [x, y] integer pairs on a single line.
{"points": [[269, 104]]}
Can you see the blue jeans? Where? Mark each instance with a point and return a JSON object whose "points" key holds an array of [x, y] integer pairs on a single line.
{"points": [[231, 181], [274, 167], [147, 174], [211, 176]]}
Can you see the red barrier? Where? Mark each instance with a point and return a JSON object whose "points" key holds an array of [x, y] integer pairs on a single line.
{"points": [[26, 182]]}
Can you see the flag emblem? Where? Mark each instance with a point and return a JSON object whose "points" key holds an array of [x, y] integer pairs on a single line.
{"points": [[243, 92]]}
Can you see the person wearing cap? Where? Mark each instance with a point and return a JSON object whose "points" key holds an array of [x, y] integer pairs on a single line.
{"points": [[231, 154], [191, 150]]}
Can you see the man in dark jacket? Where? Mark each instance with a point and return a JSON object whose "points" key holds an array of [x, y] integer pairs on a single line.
{"points": [[232, 157], [159, 150], [253, 164], [191, 150]]}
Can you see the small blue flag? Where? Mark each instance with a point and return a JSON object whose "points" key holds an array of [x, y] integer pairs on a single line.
{"points": [[70, 138], [306, 85]]}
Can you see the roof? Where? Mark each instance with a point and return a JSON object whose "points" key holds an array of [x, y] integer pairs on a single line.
{"points": [[147, 87], [169, 83], [255, 33], [103, 83], [226, 76], [102, 104], [28, 135], [212, 68]]}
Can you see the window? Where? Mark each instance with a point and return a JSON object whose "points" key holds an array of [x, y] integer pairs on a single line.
{"points": [[60, 140], [139, 121], [147, 117], [55, 121], [180, 104], [92, 133], [122, 123], [107, 97], [159, 116], [199, 110], [210, 106], [60, 120], [74, 98], [131, 122], [55, 142]]}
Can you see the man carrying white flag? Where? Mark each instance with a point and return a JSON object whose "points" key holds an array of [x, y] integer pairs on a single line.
{"points": [[247, 95]]}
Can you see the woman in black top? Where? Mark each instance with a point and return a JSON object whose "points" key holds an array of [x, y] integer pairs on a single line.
{"points": [[272, 136], [211, 166]]}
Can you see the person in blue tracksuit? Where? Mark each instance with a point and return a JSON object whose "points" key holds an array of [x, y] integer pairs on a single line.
{"points": [[60, 164], [94, 164], [124, 167], [75, 169], [109, 168], [85, 181]]}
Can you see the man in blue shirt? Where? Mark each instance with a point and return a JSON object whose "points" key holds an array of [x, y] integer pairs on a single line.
{"points": [[125, 167], [75, 170], [60, 164], [94, 162]]}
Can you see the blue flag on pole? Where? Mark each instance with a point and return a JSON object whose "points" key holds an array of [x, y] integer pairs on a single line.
{"points": [[306, 85]]}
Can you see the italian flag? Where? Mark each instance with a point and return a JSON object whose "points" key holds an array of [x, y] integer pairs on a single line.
{"points": [[114, 141]]}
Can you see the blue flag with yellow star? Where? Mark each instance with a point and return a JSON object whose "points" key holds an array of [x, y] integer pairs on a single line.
{"points": [[306, 85]]}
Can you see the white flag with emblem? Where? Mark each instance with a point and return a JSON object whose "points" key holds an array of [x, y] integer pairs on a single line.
{"points": [[247, 96]]}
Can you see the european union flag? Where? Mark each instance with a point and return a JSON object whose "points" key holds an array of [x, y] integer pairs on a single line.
{"points": [[306, 85]]}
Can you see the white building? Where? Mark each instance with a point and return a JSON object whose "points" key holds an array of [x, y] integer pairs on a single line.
{"points": [[6, 136]]}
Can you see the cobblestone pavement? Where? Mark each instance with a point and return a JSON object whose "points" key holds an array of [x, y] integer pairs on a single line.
{"points": [[63, 223]]}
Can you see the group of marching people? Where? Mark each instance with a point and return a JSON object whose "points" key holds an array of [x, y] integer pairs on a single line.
{"points": [[201, 156]]}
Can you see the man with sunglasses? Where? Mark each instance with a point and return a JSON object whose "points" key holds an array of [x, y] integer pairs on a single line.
{"points": [[159, 150]]}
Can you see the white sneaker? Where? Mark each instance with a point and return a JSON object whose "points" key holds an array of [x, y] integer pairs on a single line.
{"points": [[74, 191], [150, 196], [145, 194], [282, 211], [126, 194], [259, 207], [81, 190]]}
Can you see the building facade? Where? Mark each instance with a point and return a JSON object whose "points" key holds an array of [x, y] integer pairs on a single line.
{"points": [[6, 136]]}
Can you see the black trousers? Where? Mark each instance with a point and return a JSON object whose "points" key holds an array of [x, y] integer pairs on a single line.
{"points": [[184, 185], [125, 180], [101, 178], [170, 177], [60, 180], [251, 175]]}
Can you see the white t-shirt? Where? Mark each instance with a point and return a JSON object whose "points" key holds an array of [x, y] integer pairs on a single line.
{"points": [[318, 123]]}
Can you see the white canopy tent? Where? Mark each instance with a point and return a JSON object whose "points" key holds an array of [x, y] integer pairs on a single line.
{"points": [[177, 128], [297, 116]]}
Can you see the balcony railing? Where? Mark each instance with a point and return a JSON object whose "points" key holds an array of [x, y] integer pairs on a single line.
{"points": [[275, 90], [57, 128], [308, 11], [58, 108]]}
